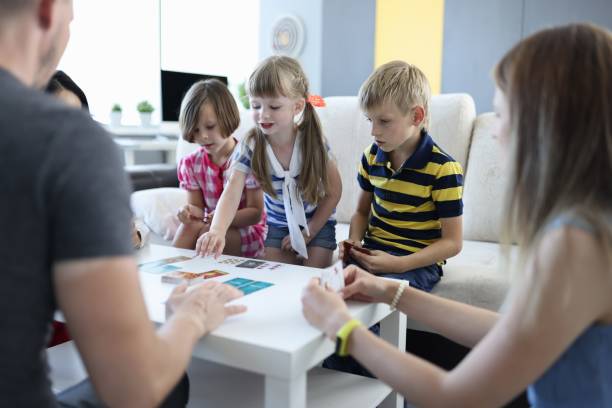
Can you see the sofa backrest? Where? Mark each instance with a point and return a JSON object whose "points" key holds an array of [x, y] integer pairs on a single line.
{"points": [[483, 192], [348, 133]]}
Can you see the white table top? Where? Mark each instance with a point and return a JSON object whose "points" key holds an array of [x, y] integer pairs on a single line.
{"points": [[272, 337]]}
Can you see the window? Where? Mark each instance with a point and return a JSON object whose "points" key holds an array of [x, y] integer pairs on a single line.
{"points": [[118, 47]]}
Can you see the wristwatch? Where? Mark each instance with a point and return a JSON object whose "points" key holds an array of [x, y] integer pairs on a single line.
{"points": [[343, 335]]}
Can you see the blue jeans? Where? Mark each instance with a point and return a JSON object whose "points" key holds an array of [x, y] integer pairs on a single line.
{"points": [[424, 278]]}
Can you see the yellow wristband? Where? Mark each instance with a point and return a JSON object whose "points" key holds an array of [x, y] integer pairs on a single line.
{"points": [[343, 335]]}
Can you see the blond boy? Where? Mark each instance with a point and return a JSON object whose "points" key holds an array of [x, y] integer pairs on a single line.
{"points": [[409, 210]]}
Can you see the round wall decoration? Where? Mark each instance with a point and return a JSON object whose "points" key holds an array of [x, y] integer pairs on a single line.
{"points": [[288, 36]]}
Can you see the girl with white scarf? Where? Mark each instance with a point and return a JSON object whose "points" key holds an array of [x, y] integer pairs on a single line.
{"points": [[287, 153]]}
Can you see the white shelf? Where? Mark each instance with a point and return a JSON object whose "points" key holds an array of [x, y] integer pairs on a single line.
{"points": [[215, 385], [129, 146], [170, 130]]}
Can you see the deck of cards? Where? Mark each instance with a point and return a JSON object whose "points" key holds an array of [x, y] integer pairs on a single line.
{"points": [[333, 277], [190, 278]]}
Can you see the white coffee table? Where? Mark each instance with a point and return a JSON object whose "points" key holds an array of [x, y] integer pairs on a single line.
{"points": [[272, 338]]}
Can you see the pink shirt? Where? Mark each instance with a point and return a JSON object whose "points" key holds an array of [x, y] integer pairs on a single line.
{"points": [[197, 171]]}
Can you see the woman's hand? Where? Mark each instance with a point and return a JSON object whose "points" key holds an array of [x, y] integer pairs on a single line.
{"points": [[365, 287], [378, 261], [324, 309], [210, 243], [204, 304], [190, 213]]}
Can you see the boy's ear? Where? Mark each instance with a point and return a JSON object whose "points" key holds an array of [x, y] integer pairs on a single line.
{"points": [[418, 115]]}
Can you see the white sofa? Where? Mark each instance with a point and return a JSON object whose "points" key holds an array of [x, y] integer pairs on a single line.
{"points": [[474, 276]]}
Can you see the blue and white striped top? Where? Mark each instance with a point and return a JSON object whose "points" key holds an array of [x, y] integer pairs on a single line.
{"points": [[275, 209]]}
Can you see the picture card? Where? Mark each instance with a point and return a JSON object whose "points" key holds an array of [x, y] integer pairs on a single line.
{"points": [[231, 261], [248, 286], [162, 265], [333, 277], [347, 246], [190, 278], [251, 263], [270, 266]]}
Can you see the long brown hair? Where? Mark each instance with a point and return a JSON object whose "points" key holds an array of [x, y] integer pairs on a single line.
{"points": [[558, 84], [280, 75]]}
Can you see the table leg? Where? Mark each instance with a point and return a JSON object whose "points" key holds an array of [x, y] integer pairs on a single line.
{"points": [[285, 393], [393, 330]]}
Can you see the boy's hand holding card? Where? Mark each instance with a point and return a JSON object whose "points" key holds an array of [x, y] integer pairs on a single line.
{"points": [[346, 251], [333, 277]]}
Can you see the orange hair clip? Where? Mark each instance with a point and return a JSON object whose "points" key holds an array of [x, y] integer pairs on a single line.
{"points": [[316, 100]]}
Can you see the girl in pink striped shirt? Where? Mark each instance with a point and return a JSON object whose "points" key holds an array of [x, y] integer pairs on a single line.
{"points": [[208, 117]]}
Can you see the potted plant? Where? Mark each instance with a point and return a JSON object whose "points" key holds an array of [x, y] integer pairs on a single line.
{"points": [[242, 95], [145, 109], [115, 116]]}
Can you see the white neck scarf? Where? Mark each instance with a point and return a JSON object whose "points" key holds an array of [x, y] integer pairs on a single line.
{"points": [[292, 199]]}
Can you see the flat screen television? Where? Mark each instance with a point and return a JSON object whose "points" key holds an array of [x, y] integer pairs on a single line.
{"points": [[174, 85]]}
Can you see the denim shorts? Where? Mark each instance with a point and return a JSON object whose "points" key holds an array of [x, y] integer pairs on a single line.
{"points": [[326, 238]]}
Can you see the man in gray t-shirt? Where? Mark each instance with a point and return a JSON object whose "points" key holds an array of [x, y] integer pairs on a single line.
{"points": [[64, 196], [65, 242]]}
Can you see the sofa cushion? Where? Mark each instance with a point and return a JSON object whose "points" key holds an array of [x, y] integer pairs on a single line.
{"points": [[348, 133], [158, 207], [485, 179], [474, 276]]}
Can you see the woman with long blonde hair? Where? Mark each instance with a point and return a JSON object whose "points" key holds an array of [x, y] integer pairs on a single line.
{"points": [[554, 116]]}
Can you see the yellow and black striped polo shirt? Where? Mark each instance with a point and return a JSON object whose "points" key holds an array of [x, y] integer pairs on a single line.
{"points": [[408, 203]]}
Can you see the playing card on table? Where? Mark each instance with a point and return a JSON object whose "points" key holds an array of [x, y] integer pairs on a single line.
{"points": [[333, 276]]}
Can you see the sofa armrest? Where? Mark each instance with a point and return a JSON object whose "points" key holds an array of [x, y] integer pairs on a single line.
{"points": [[145, 176]]}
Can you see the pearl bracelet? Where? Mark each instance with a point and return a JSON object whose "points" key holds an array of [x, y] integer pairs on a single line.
{"points": [[398, 294]]}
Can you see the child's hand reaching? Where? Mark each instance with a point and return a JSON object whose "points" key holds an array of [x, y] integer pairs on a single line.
{"points": [[190, 213], [210, 243]]}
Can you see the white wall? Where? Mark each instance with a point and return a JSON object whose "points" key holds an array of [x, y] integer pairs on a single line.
{"points": [[114, 50], [311, 14]]}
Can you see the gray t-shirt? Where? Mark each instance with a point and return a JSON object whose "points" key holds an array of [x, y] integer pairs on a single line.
{"points": [[64, 196]]}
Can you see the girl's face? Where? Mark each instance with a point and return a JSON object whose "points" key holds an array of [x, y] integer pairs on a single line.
{"points": [[275, 115], [501, 129], [207, 132]]}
